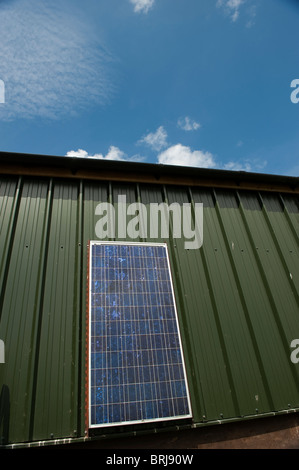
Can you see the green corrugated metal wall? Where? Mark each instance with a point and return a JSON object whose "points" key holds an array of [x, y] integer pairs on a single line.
{"points": [[237, 296]]}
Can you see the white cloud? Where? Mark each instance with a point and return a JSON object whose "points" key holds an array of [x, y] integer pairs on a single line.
{"points": [[114, 153], [237, 166], [181, 155], [156, 140], [50, 61], [231, 7], [246, 165], [188, 124], [80, 153], [142, 6]]}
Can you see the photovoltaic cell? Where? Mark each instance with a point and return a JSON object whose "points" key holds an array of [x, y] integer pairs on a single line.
{"points": [[136, 366]]}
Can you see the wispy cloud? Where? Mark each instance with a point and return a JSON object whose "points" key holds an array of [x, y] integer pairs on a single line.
{"points": [[156, 140], [231, 7], [251, 15], [184, 156], [142, 6], [50, 60], [245, 165], [188, 124], [294, 171], [237, 166], [114, 153]]}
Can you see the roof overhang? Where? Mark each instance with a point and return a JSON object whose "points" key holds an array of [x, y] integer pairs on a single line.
{"points": [[135, 172]]}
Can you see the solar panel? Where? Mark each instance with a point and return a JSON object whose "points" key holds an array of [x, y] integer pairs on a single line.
{"points": [[136, 365]]}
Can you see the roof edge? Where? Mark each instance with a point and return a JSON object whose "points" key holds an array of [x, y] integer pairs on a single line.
{"points": [[89, 168]]}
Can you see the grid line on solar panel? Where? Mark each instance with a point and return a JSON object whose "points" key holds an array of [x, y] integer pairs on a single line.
{"points": [[136, 367]]}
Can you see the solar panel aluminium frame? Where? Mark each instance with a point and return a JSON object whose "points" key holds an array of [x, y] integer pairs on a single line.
{"points": [[89, 424]]}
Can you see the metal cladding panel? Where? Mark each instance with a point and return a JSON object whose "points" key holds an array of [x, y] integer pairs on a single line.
{"points": [[38, 309], [237, 299], [56, 394]]}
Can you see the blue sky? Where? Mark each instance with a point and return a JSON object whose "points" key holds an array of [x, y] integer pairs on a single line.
{"points": [[203, 83]]}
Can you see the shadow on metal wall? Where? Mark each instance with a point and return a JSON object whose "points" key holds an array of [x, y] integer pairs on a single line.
{"points": [[4, 414]]}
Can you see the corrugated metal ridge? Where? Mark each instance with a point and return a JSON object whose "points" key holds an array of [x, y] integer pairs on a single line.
{"points": [[106, 170]]}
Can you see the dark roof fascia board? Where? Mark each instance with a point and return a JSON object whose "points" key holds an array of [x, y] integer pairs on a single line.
{"points": [[89, 168]]}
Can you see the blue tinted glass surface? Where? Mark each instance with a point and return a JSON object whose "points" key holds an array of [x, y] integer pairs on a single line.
{"points": [[136, 363]]}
